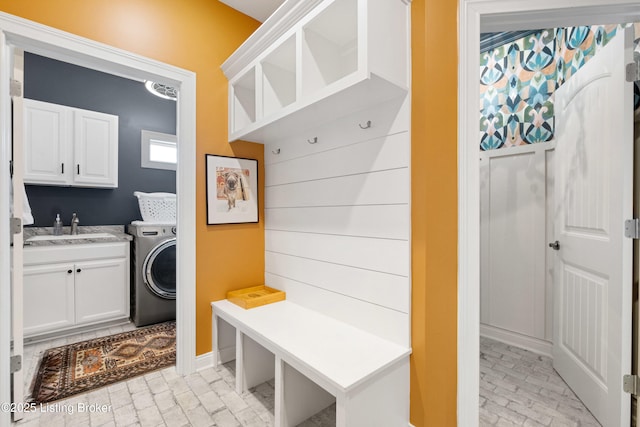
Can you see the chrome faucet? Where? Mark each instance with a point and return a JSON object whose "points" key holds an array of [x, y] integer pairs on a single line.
{"points": [[74, 223]]}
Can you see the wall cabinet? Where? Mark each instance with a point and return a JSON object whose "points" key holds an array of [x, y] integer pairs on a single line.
{"points": [[314, 61], [75, 285], [69, 146]]}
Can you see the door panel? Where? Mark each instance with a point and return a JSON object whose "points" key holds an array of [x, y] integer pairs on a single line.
{"points": [[593, 197]]}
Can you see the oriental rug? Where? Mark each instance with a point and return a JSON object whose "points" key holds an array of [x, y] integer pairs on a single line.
{"points": [[84, 366]]}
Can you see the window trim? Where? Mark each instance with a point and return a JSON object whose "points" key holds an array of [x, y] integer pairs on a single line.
{"points": [[146, 137]]}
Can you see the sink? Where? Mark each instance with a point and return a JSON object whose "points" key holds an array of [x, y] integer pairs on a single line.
{"points": [[69, 237]]}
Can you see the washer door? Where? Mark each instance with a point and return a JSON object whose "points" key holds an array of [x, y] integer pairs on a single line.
{"points": [[159, 269]]}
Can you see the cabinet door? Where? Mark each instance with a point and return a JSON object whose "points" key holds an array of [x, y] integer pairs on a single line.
{"points": [[102, 290], [46, 138], [48, 298], [96, 149]]}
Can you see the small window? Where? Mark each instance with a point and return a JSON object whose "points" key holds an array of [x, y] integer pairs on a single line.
{"points": [[159, 150]]}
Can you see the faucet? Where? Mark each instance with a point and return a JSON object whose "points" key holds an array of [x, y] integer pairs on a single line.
{"points": [[74, 223]]}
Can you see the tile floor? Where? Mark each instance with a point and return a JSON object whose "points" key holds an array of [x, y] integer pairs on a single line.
{"points": [[521, 388], [160, 398]]}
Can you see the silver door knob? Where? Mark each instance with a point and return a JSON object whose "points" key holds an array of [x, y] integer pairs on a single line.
{"points": [[555, 245]]}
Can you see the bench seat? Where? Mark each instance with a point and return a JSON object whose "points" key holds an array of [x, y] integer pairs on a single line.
{"points": [[367, 375]]}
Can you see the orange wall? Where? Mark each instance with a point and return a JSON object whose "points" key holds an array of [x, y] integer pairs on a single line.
{"points": [[434, 214], [197, 35]]}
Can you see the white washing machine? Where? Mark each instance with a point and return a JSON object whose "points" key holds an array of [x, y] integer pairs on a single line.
{"points": [[153, 273]]}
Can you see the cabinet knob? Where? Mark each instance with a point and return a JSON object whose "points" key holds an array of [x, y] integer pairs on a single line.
{"points": [[78, 270], [69, 271]]}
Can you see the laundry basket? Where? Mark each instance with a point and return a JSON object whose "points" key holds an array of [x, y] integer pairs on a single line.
{"points": [[157, 207]]}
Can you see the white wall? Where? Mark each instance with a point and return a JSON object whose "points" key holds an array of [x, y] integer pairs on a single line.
{"points": [[516, 200], [337, 219]]}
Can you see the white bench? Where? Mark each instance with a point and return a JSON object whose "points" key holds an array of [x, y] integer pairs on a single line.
{"points": [[317, 360]]}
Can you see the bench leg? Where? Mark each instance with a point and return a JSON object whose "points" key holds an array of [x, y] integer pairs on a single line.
{"points": [[214, 340], [240, 381], [382, 401], [279, 394]]}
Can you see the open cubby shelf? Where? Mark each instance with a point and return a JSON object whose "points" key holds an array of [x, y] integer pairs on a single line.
{"points": [[317, 64]]}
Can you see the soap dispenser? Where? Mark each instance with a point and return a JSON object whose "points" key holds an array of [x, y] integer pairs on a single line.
{"points": [[57, 226], [74, 223]]}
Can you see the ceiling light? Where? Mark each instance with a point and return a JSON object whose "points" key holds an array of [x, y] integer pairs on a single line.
{"points": [[163, 91]]}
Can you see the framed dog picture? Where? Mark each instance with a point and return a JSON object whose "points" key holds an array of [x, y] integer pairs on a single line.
{"points": [[232, 190]]}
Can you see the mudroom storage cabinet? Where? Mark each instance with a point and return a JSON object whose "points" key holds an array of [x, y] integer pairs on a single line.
{"points": [[315, 61]]}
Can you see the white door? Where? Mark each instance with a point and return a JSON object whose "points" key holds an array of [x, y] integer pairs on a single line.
{"points": [[593, 197], [17, 381]]}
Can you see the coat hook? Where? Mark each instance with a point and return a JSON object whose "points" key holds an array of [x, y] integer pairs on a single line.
{"points": [[276, 151], [366, 126], [312, 141]]}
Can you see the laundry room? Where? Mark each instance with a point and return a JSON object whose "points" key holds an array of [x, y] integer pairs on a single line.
{"points": [[105, 181]]}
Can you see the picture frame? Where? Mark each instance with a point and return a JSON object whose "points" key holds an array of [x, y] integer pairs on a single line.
{"points": [[232, 190]]}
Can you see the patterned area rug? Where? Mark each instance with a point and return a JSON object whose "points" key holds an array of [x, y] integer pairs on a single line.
{"points": [[87, 365]]}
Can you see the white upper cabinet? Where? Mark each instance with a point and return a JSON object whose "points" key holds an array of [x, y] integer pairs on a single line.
{"points": [[46, 135], [314, 61], [68, 146], [96, 149]]}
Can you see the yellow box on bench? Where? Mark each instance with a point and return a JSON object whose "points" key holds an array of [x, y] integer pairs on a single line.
{"points": [[255, 296]]}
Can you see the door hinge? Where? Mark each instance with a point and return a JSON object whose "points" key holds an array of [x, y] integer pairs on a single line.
{"points": [[15, 225], [631, 72], [15, 88], [632, 228], [15, 363]]}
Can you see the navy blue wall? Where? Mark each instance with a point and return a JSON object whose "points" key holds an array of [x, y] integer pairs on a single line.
{"points": [[61, 83]]}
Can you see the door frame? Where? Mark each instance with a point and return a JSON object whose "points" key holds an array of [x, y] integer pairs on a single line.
{"points": [[60, 45], [488, 16]]}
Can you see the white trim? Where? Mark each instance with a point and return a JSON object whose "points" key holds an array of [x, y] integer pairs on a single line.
{"points": [[57, 44], [521, 149], [5, 252], [535, 345], [494, 15], [204, 361]]}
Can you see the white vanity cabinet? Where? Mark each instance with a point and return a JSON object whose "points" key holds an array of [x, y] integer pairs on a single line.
{"points": [[68, 146], [314, 61], [67, 286]]}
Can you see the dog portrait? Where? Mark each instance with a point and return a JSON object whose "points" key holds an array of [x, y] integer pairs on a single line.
{"points": [[232, 190]]}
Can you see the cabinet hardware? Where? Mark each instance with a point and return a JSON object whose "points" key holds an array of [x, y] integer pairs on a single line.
{"points": [[313, 141], [78, 169], [276, 151], [69, 271], [366, 126], [78, 270], [62, 168], [555, 245]]}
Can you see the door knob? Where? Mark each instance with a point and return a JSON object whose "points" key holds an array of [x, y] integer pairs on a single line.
{"points": [[555, 245]]}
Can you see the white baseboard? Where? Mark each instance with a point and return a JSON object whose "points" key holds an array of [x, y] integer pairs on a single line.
{"points": [[542, 347], [205, 360]]}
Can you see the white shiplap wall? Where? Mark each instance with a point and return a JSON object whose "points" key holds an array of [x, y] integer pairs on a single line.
{"points": [[337, 219]]}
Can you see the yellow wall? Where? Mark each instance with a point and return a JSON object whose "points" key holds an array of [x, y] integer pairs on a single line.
{"points": [[434, 213], [199, 35]]}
